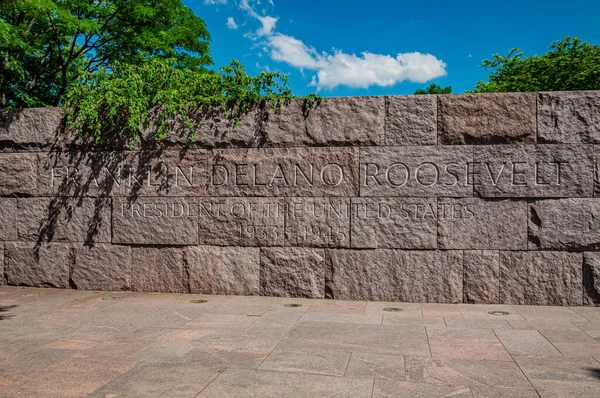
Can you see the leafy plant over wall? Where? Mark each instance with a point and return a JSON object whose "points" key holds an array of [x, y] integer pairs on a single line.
{"points": [[115, 64], [123, 95]]}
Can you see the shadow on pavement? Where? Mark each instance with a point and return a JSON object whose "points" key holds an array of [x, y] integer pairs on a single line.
{"points": [[4, 309], [595, 372]]}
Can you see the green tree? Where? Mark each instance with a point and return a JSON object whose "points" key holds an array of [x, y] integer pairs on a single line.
{"points": [[435, 89], [46, 44], [570, 64]]}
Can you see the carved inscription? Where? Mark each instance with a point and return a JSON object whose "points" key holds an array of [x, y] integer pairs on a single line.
{"points": [[429, 174], [242, 221], [458, 210], [277, 175], [149, 209], [533, 170], [119, 174], [125, 176], [319, 222], [154, 220], [284, 172], [422, 171], [435, 171], [274, 221], [394, 223]]}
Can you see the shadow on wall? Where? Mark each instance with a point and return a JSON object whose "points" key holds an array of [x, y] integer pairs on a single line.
{"points": [[81, 170]]}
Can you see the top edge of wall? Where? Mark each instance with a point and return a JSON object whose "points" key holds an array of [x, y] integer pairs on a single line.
{"points": [[565, 117]]}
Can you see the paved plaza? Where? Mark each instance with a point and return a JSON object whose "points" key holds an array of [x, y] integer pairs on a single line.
{"points": [[70, 343]]}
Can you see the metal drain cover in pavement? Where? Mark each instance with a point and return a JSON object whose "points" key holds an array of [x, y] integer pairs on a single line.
{"points": [[393, 309], [198, 301], [499, 313], [292, 305]]}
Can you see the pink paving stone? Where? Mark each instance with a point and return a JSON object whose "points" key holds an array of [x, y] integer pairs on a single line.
{"points": [[65, 343]]}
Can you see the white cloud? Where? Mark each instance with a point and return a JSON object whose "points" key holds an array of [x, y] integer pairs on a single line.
{"points": [[361, 71], [215, 1], [231, 23], [268, 24], [293, 51], [339, 68]]}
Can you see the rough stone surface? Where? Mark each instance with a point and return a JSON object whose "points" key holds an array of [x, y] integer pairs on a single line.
{"points": [[111, 173], [422, 171], [2, 276], [596, 171], [223, 270], [564, 224], [591, 279], [29, 129], [18, 174], [357, 198], [102, 267], [64, 220], [156, 221], [317, 222], [8, 219], [481, 276], [335, 121], [292, 272], [395, 275], [541, 278], [394, 223], [411, 120], [212, 130], [241, 221], [473, 223], [569, 117], [487, 118], [533, 171], [157, 270], [46, 265], [283, 172]]}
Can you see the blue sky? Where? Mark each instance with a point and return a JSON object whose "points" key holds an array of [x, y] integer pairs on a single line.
{"points": [[382, 47]]}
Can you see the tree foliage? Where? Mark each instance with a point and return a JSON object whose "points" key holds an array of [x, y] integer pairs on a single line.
{"points": [[123, 95], [570, 64], [435, 89], [46, 44]]}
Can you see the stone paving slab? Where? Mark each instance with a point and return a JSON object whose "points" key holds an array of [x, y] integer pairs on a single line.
{"points": [[69, 343]]}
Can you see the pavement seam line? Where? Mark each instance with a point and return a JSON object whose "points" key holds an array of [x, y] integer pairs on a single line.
{"points": [[210, 382], [428, 344], [516, 363], [549, 342], [347, 364]]}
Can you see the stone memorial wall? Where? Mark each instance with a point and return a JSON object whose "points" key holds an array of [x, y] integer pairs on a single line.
{"points": [[454, 198]]}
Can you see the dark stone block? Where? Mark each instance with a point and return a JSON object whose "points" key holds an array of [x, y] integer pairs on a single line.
{"points": [[223, 270], [45, 265], [158, 270], [487, 118], [292, 272], [395, 275], [541, 278]]}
